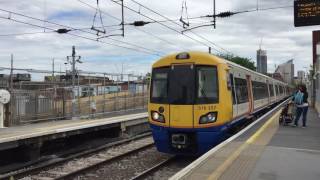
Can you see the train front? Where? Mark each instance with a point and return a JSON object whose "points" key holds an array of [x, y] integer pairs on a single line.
{"points": [[184, 110]]}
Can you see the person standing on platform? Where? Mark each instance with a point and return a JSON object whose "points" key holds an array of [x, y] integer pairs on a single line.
{"points": [[301, 101]]}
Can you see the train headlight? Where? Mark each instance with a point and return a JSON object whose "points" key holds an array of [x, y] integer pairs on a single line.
{"points": [[157, 116], [210, 117]]}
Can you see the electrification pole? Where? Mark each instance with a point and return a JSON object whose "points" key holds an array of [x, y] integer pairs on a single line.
{"points": [[75, 59], [11, 74]]}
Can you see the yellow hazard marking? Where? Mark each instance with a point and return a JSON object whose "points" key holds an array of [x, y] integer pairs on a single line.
{"points": [[226, 164]]}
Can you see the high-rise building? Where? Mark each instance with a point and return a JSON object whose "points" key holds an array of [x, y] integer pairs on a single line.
{"points": [[262, 61], [286, 70], [301, 76]]}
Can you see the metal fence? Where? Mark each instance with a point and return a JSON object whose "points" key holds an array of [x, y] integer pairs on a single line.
{"points": [[57, 102], [28, 106]]}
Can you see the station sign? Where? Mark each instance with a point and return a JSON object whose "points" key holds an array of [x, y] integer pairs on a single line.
{"points": [[306, 12]]}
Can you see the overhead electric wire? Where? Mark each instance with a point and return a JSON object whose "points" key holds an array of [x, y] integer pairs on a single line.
{"points": [[164, 40], [118, 19], [72, 28], [27, 33], [79, 36], [65, 26], [173, 21], [205, 39], [266, 9], [200, 42], [60, 72]]}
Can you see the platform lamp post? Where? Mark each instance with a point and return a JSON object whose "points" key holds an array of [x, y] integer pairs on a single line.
{"points": [[74, 59]]}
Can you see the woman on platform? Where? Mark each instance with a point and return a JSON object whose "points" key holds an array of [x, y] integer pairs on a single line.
{"points": [[301, 101]]}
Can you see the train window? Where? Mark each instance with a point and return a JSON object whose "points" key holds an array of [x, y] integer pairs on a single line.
{"points": [[207, 85], [259, 90], [241, 90], [277, 90], [281, 90], [182, 84], [159, 85], [271, 90]]}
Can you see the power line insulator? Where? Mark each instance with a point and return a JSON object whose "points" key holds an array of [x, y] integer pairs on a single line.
{"points": [[225, 14], [63, 31], [139, 23]]}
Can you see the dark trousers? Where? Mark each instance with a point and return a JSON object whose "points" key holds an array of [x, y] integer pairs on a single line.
{"points": [[303, 111]]}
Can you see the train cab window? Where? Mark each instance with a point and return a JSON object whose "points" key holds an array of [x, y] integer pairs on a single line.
{"points": [[159, 85], [207, 85], [182, 84], [241, 90]]}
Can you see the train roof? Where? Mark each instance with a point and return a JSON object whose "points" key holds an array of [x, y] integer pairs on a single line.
{"points": [[197, 54]]}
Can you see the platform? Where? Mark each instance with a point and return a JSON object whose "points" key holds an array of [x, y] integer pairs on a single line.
{"points": [[265, 151], [12, 136]]}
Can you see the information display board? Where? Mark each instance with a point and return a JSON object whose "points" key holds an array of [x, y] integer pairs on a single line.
{"points": [[306, 12]]}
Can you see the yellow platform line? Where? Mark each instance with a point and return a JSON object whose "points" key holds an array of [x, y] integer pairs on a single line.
{"points": [[226, 164]]}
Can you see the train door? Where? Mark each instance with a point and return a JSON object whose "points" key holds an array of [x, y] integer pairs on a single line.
{"points": [[234, 97], [250, 93], [269, 92], [241, 93], [181, 96]]}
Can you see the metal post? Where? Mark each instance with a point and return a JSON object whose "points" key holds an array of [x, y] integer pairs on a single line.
{"points": [[89, 89], [214, 13], [116, 96], [52, 69], [79, 103], [1, 115], [10, 113], [122, 23], [104, 92], [11, 74], [73, 66]]}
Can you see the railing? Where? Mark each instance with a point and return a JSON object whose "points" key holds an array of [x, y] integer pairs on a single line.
{"points": [[29, 106]]}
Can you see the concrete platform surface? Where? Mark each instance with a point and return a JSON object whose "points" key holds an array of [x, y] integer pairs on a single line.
{"points": [[292, 154], [48, 128], [269, 152]]}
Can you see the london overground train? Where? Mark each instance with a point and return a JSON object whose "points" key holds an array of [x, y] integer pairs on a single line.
{"points": [[197, 98]]}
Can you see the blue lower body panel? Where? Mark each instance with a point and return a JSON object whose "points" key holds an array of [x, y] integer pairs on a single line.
{"points": [[198, 141]]}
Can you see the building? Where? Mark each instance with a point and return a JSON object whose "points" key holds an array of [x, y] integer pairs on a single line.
{"points": [[315, 88], [301, 77], [286, 70], [262, 61], [16, 78], [81, 79], [277, 76]]}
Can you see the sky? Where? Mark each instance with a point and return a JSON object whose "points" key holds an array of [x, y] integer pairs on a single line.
{"points": [[240, 34]]}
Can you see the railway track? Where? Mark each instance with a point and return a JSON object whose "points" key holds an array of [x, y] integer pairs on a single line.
{"points": [[81, 162], [153, 169]]}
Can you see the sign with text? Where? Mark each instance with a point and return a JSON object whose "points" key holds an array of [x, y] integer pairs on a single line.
{"points": [[306, 12]]}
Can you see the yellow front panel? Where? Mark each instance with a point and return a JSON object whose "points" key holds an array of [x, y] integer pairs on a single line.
{"points": [[187, 116], [224, 107], [181, 116], [155, 107]]}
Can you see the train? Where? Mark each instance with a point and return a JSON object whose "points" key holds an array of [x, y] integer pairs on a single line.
{"points": [[196, 99]]}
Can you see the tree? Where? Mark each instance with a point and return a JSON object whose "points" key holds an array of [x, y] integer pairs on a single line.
{"points": [[242, 61]]}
